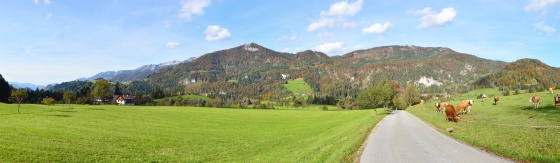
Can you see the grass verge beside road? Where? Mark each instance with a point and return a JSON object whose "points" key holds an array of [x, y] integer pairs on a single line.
{"points": [[511, 128]]}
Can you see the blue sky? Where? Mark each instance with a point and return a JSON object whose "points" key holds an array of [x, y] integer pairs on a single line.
{"points": [[52, 41]]}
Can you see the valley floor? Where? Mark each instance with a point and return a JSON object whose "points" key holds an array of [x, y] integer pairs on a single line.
{"points": [[109, 133]]}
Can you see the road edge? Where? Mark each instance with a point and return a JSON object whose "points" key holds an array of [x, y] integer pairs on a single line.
{"points": [[444, 132], [364, 144]]}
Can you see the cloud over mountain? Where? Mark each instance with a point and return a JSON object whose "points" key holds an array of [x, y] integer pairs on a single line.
{"points": [[215, 32], [193, 7], [432, 18], [377, 28]]}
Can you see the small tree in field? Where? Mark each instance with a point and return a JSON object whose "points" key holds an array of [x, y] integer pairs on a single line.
{"points": [[18, 96], [69, 96], [49, 101], [410, 95]]}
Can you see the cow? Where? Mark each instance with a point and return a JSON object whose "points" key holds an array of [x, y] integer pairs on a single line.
{"points": [[450, 113], [464, 107], [550, 89], [557, 100], [535, 100], [422, 101], [439, 107], [484, 97], [496, 99]]}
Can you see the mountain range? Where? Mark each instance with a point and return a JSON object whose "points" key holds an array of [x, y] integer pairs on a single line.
{"points": [[251, 70], [26, 85], [130, 75], [436, 69]]}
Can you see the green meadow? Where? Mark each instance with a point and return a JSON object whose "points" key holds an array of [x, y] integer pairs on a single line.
{"points": [[511, 128], [109, 133], [189, 97], [298, 87]]}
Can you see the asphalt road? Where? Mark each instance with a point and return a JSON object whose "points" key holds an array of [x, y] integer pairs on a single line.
{"points": [[401, 137]]}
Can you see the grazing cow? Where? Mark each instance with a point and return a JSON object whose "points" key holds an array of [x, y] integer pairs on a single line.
{"points": [[464, 107], [496, 99], [484, 97], [557, 100], [450, 113], [439, 107], [535, 100]]}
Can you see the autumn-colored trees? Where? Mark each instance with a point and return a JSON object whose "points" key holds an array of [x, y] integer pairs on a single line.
{"points": [[18, 96]]}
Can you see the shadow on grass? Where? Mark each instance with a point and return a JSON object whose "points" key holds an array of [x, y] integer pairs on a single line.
{"points": [[67, 111], [96, 108], [544, 109], [60, 115]]}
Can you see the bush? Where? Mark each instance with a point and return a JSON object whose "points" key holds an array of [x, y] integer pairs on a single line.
{"points": [[324, 108]]}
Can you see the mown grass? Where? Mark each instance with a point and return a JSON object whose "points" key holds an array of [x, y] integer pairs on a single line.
{"points": [[298, 87], [109, 133], [190, 97], [511, 128]]}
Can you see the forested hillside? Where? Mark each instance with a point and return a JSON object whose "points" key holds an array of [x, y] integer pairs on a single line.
{"points": [[253, 71], [524, 74]]}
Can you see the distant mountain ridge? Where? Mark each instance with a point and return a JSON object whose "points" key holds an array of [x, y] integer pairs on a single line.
{"points": [[26, 85], [523, 73], [253, 71], [253, 67], [136, 74]]}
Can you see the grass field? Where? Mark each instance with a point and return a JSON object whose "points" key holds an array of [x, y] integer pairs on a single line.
{"points": [[191, 97], [511, 128], [108, 133], [298, 87]]}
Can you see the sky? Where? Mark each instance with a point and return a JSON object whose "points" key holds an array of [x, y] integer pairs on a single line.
{"points": [[53, 41]]}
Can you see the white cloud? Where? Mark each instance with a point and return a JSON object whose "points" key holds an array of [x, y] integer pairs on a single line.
{"points": [[48, 17], [291, 37], [285, 50], [377, 28], [541, 6], [322, 23], [431, 18], [344, 8], [548, 29], [214, 32], [517, 43], [193, 7], [349, 25], [171, 44], [336, 13], [36, 2], [330, 47], [47, 2]]}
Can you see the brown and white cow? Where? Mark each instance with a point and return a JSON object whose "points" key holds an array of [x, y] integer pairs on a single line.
{"points": [[464, 107], [484, 97], [496, 99], [439, 108], [535, 100], [557, 100], [450, 113]]}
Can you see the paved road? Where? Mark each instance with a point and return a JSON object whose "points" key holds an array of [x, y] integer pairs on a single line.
{"points": [[401, 137]]}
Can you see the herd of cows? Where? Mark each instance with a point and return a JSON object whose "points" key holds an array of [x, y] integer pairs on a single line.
{"points": [[464, 107]]}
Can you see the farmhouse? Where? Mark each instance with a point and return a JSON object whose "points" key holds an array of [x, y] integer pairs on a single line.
{"points": [[123, 99]]}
